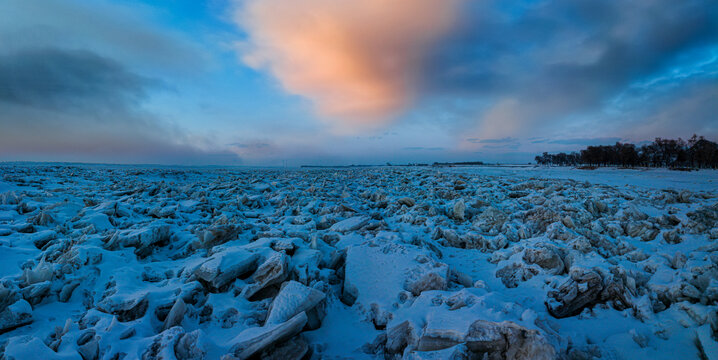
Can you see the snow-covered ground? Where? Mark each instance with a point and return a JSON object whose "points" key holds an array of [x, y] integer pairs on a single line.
{"points": [[102, 262]]}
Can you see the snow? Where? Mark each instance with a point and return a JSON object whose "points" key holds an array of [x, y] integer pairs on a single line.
{"points": [[351, 224], [356, 263], [703, 180], [293, 299]]}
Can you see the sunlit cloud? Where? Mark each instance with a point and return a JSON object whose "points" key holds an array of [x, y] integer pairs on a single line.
{"points": [[357, 61]]}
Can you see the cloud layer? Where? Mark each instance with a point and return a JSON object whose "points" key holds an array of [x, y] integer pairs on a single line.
{"points": [[132, 81], [73, 85], [358, 61], [569, 65], [68, 80], [74, 105]]}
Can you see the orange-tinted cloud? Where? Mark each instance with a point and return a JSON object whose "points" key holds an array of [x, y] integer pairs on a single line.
{"points": [[357, 60]]}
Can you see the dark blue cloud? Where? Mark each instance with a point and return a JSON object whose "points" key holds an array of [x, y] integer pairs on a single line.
{"points": [[73, 85], [68, 80], [586, 141], [75, 105], [559, 59]]}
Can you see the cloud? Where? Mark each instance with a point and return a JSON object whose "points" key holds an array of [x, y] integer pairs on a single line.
{"points": [[359, 61], [69, 79], [36, 134], [586, 141], [255, 148], [74, 85], [123, 31], [542, 65], [78, 77], [681, 112], [72, 105], [528, 68]]}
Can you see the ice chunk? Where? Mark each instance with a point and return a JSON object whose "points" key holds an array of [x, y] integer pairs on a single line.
{"points": [[254, 340], [295, 298], [272, 271], [15, 315], [350, 224], [226, 266]]}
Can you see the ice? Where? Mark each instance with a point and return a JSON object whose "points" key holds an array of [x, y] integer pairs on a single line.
{"points": [[254, 340], [15, 315], [351, 224], [293, 299], [226, 266], [401, 262], [272, 271]]}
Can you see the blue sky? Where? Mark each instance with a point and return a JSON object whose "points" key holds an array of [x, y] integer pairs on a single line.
{"points": [[269, 82]]}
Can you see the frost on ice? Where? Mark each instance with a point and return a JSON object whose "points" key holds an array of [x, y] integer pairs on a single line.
{"points": [[102, 262]]}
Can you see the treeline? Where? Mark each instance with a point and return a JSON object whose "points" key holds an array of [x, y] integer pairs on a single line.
{"points": [[696, 152]]}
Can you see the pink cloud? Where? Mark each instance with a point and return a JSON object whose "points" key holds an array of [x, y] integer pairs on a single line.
{"points": [[356, 60]]}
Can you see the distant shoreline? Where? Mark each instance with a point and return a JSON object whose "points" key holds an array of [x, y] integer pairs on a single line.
{"points": [[458, 164]]}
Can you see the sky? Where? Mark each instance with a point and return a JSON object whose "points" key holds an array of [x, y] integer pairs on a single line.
{"points": [[330, 82]]}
